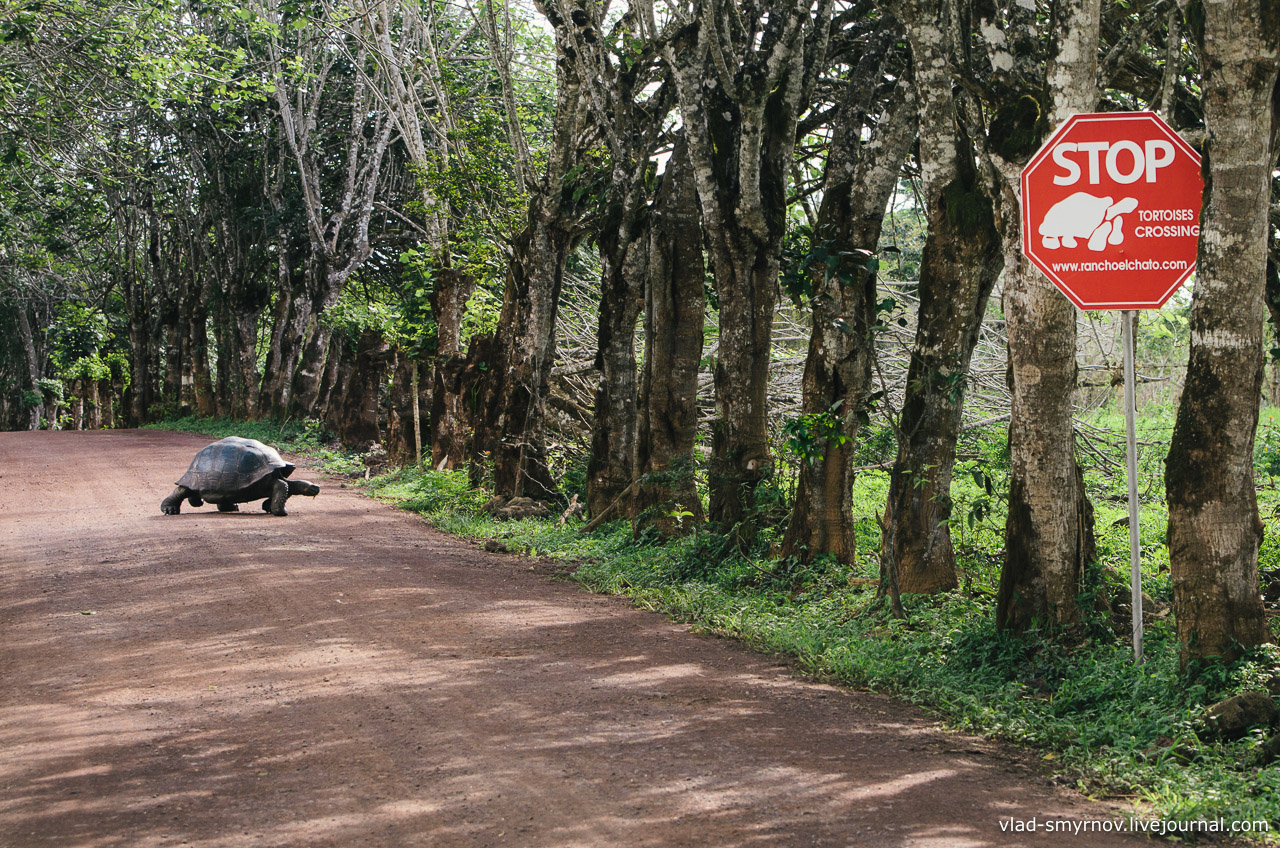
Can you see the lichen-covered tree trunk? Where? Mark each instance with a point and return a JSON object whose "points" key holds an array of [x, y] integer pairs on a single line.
{"points": [[860, 177], [675, 310], [511, 407], [1214, 529], [740, 123], [287, 327], [958, 268], [746, 276], [30, 362], [450, 421], [623, 253], [359, 404], [512, 411], [1049, 529]]}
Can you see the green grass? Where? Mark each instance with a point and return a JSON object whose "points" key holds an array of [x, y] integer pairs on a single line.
{"points": [[1083, 705]]}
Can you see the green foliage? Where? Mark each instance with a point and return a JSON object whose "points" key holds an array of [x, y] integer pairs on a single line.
{"points": [[483, 310], [118, 365], [1266, 449], [50, 389], [360, 309], [809, 434], [803, 256], [429, 493], [78, 333], [91, 367], [904, 231]]}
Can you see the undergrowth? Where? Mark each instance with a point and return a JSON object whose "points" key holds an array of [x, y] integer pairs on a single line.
{"points": [[1114, 728]]}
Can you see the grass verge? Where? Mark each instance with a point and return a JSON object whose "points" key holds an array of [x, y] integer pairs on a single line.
{"points": [[1115, 729]]}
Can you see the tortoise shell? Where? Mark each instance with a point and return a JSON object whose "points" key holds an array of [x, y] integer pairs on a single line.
{"points": [[232, 464]]}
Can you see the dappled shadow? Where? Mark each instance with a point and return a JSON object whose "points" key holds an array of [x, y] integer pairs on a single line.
{"points": [[356, 680]]}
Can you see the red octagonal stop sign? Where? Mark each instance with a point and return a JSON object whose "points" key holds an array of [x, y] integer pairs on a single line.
{"points": [[1111, 210]]}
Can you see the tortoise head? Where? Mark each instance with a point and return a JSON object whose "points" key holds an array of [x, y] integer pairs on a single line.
{"points": [[303, 487]]}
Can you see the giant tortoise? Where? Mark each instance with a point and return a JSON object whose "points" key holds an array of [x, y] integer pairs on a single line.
{"points": [[235, 471]]}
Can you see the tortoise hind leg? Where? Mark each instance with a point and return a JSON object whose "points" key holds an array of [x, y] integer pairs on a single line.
{"points": [[279, 494], [227, 506], [172, 505]]}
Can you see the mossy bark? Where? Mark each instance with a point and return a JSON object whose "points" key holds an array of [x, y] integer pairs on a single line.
{"points": [[510, 400], [1049, 530], [674, 314], [1214, 529], [958, 269], [741, 129], [860, 177]]}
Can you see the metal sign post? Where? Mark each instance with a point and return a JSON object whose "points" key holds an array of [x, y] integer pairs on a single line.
{"points": [[1131, 455]]}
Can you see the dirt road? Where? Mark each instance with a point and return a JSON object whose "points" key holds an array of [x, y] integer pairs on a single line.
{"points": [[347, 676]]}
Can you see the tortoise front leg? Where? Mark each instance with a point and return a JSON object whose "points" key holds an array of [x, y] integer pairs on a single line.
{"points": [[279, 494], [172, 505], [228, 506]]}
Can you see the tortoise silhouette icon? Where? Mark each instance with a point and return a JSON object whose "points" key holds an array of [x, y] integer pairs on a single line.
{"points": [[1085, 217]]}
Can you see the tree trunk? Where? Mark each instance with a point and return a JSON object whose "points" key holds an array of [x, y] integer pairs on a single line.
{"points": [[289, 326], [337, 192], [171, 323], [450, 419], [401, 439], [339, 362], [361, 399], [243, 333], [31, 365], [304, 390], [135, 292], [623, 253], [860, 177], [1049, 529], [77, 405], [958, 268], [741, 129], [1214, 529], [93, 410], [106, 392], [675, 307], [198, 345], [511, 412], [509, 429], [188, 353]]}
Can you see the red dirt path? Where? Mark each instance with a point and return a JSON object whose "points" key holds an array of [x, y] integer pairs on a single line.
{"points": [[347, 676]]}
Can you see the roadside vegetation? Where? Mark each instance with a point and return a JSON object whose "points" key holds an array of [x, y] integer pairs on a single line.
{"points": [[1115, 730]]}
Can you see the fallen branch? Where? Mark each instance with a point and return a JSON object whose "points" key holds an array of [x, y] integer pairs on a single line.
{"points": [[604, 513]]}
